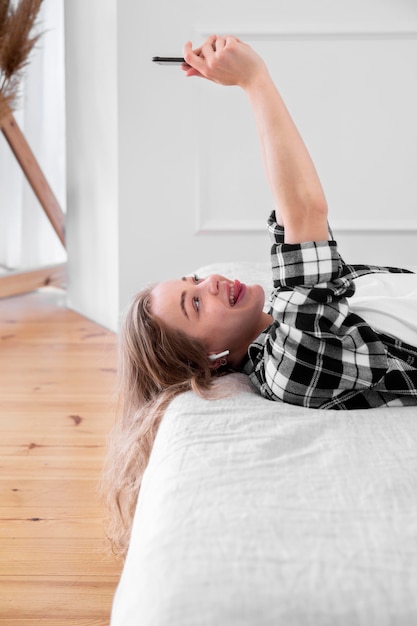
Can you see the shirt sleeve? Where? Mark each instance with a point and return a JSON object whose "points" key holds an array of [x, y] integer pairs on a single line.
{"points": [[312, 264], [316, 348]]}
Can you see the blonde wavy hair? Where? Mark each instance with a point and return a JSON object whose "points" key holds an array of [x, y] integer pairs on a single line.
{"points": [[156, 364]]}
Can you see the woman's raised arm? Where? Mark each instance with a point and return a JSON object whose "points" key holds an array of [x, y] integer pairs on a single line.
{"points": [[300, 203]]}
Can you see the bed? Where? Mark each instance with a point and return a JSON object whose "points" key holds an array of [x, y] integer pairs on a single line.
{"points": [[254, 513]]}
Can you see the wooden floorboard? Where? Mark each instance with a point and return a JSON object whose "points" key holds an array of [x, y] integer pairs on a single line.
{"points": [[57, 375]]}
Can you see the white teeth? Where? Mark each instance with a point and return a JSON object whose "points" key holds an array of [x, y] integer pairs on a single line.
{"points": [[232, 295]]}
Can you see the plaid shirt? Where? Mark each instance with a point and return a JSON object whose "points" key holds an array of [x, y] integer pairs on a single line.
{"points": [[317, 353]]}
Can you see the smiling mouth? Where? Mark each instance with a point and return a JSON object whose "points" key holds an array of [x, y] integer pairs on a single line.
{"points": [[236, 291]]}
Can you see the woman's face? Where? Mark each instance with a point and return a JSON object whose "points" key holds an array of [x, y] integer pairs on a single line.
{"points": [[223, 314]]}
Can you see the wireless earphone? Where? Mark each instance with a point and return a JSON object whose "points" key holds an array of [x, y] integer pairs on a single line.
{"points": [[214, 357]]}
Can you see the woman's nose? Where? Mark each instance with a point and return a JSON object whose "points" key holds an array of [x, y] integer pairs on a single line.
{"points": [[213, 284]]}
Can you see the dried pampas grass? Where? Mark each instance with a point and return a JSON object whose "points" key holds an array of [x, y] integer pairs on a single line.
{"points": [[17, 20]]}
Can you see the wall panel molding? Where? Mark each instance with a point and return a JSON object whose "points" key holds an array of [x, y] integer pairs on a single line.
{"points": [[269, 33], [214, 217]]}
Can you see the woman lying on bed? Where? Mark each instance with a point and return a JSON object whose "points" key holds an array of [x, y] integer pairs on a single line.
{"points": [[310, 349]]}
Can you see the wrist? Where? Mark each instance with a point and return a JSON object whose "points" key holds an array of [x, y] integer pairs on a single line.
{"points": [[257, 83]]}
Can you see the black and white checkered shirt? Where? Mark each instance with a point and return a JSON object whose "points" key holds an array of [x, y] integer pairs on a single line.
{"points": [[317, 353]]}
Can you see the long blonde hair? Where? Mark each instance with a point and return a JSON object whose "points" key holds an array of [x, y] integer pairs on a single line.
{"points": [[156, 364]]}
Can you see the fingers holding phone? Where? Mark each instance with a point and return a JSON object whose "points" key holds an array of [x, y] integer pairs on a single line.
{"points": [[222, 59], [225, 60]]}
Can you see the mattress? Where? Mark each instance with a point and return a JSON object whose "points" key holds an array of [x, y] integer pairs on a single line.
{"points": [[258, 513]]}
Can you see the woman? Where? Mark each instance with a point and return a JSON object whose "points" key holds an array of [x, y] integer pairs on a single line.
{"points": [[310, 349]]}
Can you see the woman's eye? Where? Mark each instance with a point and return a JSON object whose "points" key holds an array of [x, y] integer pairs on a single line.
{"points": [[196, 278], [196, 304]]}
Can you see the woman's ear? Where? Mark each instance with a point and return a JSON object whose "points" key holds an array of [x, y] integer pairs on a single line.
{"points": [[217, 359]]}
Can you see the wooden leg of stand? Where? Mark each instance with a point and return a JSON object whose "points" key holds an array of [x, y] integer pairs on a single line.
{"points": [[15, 283], [34, 174]]}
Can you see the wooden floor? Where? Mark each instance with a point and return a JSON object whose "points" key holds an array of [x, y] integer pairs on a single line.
{"points": [[57, 373]]}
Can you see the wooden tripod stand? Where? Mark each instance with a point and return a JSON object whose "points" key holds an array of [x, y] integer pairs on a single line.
{"points": [[17, 282]]}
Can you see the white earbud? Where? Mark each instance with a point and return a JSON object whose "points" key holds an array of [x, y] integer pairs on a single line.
{"points": [[214, 357]]}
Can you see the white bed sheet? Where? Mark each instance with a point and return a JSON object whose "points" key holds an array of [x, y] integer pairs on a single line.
{"points": [[259, 513], [255, 513]]}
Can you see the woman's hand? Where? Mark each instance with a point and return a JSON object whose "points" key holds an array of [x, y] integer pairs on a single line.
{"points": [[224, 60]]}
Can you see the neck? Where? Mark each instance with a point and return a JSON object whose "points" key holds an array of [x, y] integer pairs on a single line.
{"points": [[238, 356]]}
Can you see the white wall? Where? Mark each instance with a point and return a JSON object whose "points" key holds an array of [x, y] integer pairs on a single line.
{"points": [[134, 151], [92, 159]]}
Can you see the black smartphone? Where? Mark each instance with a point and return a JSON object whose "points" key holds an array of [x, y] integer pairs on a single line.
{"points": [[168, 60]]}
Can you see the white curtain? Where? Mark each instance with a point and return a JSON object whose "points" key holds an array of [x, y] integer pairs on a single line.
{"points": [[26, 237]]}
